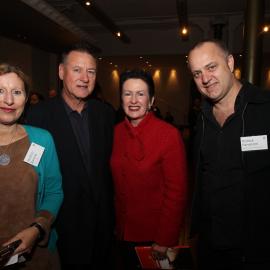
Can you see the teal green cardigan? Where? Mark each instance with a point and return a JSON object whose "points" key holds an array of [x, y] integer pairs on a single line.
{"points": [[50, 193]]}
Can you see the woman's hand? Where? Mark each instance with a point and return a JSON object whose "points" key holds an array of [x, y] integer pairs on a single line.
{"points": [[28, 236], [159, 252]]}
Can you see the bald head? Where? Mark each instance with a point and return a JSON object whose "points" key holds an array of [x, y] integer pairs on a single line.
{"points": [[212, 67]]}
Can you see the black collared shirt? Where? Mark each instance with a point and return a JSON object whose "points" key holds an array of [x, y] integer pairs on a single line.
{"points": [[223, 178], [80, 126]]}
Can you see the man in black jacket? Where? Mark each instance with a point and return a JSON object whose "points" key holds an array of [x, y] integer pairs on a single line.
{"points": [[82, 129], [230, 208]]}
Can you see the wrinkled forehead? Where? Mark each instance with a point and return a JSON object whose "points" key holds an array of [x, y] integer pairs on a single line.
{"points": [[79, 57], [205, 54], [12, 78]]}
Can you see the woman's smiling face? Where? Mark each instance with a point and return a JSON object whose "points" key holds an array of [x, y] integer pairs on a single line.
{"points": [[12, 98], [136, 101]]}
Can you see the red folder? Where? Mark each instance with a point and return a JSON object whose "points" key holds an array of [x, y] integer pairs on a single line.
{"points": [[148, 262]]}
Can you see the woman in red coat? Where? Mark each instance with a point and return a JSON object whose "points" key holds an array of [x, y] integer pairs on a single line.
{"points": [[149, 171]]}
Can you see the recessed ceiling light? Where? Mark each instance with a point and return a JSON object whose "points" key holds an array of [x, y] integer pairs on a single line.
{"points": [[266, 28], [184, 31]]}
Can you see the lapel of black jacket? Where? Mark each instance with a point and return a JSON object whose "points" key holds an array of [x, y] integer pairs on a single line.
{"points": [[62, 127], [95, 134]]}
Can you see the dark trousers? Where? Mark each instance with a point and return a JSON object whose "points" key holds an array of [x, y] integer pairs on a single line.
{"points": [[126, 255], [227, 259]]}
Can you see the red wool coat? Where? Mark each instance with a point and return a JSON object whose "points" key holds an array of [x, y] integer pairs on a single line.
{"points": [[149, 171]]}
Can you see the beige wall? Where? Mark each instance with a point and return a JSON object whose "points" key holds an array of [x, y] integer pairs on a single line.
{"points": [[39, 65], [16, 53], [170, 74], [172, 84], [265, 75]]}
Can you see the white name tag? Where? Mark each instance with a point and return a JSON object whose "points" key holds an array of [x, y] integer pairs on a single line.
{"points": [[253, 143], [34, 154]]}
